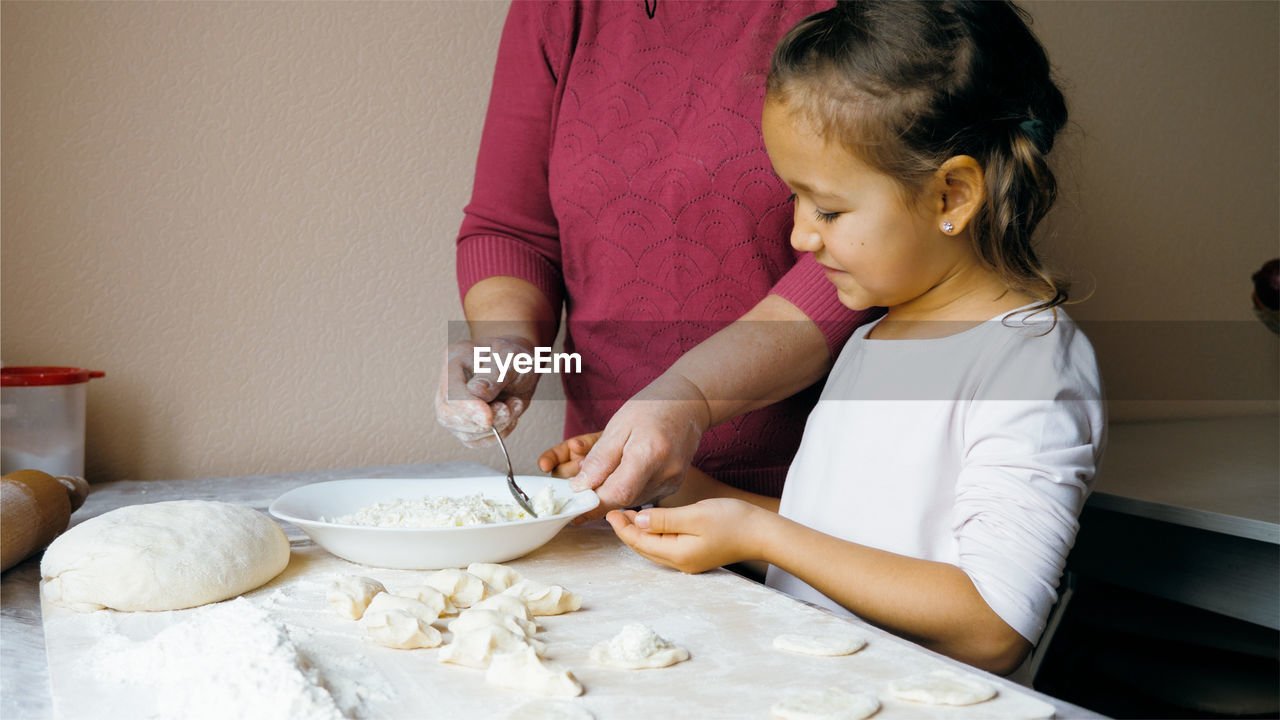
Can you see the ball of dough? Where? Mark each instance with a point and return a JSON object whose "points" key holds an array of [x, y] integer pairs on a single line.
{"points": [[942, 687], [350, 595], [825, 704], [163, 556], [826, 645], [637, 647]]}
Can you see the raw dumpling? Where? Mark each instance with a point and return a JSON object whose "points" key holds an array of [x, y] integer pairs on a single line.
{"points": [[499, 577], [430, 597], [636, 648], [522, 669], [477, 647], [544, 599], [397, 628], [350, 595], [826, 645], [826, 704], [462, 588], [163, 556], [473, 618], [386, 601], [508, 604], [942, 687]]}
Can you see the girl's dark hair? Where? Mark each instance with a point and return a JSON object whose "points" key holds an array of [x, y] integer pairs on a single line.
{"points": [[907, 85]]}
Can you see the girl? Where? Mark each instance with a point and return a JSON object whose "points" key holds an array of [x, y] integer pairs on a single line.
{"points": [[936, 489]]}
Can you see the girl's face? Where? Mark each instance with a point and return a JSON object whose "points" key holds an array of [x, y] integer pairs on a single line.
{"points": [[878, 250]]}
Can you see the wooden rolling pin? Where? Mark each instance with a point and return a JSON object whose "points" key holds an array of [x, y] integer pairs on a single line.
{"points": [[34, 508]]}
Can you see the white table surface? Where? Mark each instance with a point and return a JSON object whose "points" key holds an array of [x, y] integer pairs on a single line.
{"points": [[25, 690]]}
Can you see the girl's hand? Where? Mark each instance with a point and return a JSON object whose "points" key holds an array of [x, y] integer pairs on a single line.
{"points": [[693, 538], [563, 460]]}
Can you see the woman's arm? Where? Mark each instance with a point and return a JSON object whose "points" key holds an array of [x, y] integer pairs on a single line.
{"points": [[563, 461], [932, 603], [770, 353]]}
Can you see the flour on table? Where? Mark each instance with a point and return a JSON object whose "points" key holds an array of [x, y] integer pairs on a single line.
{"points": [[942, 687], [522, 669], [544, 599], [230, 660], [825, 704], [350, 595], [637, 647], [442, 511], [499, 577], [547, 709], [473, 618], [477, 647], [825, 645], [462, 588]]}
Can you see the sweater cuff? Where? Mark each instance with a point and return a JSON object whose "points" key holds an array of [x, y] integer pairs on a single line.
{"points": [[807, 287], [485, 256]]}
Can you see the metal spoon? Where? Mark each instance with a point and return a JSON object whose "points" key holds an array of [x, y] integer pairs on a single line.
{"points": [[516, 492]]}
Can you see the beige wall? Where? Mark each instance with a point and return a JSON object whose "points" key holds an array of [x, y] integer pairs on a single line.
{"points": [[244, 213]]}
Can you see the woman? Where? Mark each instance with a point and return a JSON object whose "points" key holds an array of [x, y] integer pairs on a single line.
{"points": [[622, 177]]}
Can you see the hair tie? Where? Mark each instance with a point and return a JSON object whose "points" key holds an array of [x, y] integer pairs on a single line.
{"points": [[1038, 134]]}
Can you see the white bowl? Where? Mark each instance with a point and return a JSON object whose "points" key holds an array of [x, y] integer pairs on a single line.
{"points": [[424, 548]]}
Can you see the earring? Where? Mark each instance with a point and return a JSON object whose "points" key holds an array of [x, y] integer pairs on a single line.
{"points": [[947, 227]]}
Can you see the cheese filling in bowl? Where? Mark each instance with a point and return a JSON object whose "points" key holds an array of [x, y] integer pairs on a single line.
{"points": [[433, 512], [430, 523]]}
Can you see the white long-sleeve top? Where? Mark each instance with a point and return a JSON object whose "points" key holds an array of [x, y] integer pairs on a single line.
{"points": [[977, 449]]}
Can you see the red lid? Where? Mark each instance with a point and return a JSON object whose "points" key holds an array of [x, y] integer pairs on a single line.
{"points": [[29, 376]]}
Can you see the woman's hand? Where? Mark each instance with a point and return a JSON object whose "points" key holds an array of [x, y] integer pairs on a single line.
{"points": [[694, 538], [563, 460], [468, 403], [656, 432]]}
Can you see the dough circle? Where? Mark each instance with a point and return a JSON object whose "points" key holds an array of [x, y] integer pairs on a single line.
{"points": [[163, 556], [942, 687], [827, 703], [824, 645]]}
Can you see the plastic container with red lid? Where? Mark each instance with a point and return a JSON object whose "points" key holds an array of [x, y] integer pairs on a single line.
{"points": [[42, 413]]}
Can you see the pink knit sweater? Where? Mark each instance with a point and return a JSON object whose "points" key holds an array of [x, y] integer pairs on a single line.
{"points": [[622, 172]]}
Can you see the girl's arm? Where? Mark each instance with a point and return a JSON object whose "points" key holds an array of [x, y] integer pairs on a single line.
{"points": [[932, 603]]}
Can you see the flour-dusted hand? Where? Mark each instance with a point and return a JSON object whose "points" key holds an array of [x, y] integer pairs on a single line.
{"points": [[694, 538], [470, 401], [645, 450]]}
